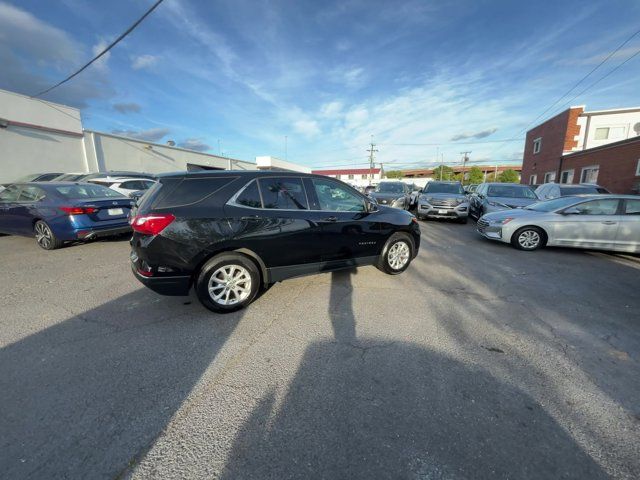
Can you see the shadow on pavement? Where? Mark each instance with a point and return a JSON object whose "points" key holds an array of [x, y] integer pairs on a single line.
{"points": [[88, 396], [370, 408]]}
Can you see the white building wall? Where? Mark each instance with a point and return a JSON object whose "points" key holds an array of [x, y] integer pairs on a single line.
{"points": [[38, 137], [274, 163], [622, 123], [113, 152]]}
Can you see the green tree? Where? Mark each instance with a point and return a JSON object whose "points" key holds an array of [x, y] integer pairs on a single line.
{"points": [[509, 176], [447, 173], [394, 174], [475, 175]]}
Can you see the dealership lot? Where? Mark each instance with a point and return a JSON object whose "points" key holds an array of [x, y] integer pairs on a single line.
{"points": [[480, 361]]}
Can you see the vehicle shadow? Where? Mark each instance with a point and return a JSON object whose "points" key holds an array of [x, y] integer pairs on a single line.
{"points": [[369, 407], [87, 397]]}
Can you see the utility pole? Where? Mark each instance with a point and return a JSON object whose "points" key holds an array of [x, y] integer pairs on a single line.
{"points": [[372, 152], [441, 165], [465, 159]]}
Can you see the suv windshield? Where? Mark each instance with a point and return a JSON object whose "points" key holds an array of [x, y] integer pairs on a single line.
{"points": [[510, 191], [435, 187], [390, 188], [550, 205]]}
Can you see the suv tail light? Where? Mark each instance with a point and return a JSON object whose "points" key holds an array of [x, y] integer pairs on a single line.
{"points": [[151, 224], [78, 210]]}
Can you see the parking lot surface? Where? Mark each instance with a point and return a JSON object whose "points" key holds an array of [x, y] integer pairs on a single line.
{"points": [[479, 362]]}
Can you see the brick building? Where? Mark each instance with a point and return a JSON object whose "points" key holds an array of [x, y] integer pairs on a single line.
{"points": [[575, 146]]}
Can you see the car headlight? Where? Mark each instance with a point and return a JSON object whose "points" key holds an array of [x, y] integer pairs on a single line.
{"points": [[498, 204], [504, 221]]}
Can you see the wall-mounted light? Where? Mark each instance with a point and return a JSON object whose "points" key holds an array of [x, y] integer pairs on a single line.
{"points": [[4, 123]]}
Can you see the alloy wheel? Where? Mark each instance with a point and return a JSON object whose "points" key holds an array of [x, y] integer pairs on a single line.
{"points": [[529, 239], [398, 255], [230, 284], [43, 235]]}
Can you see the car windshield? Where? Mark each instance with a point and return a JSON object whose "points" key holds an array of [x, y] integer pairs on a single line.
{"points": [[86, 190], [511, 191], [390, 188], [434, 187], [551, 205]]}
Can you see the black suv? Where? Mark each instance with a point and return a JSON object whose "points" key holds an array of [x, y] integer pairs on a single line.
{"points": [[230, 233]]}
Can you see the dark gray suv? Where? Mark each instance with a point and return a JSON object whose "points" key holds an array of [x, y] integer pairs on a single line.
{"points": [[443, 200]]}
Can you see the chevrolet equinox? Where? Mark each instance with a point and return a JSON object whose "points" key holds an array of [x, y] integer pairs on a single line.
{"points": [[230, 233]]}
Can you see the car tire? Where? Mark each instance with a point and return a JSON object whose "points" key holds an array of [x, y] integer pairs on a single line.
{"points": [[45, 238], [227, 282], [529, 238], [396, 254], [463, 220]]}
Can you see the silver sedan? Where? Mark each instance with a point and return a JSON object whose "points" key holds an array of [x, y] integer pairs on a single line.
{"points": [[603, 222]]}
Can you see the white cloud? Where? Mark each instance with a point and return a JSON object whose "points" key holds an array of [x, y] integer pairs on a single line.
{"points": [[351, 77], [196, 144], [150, 135], [307, 127], [143, 61], [101, 63], [124, 107], [331, 109]]}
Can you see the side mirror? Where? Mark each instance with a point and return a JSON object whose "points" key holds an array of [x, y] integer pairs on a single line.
{"points": [[571, 211], [372, 207]]}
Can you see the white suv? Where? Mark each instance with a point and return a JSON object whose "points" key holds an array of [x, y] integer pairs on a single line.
{"points": [[124, 185]]}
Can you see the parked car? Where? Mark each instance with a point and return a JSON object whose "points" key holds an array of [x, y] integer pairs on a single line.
{"points": [[393, 193], [443, 200], [58, 212], [230, 233], [70, 177], [604, 222], [368, 189], [414, 195], [124, 185], [493, 197], [37, 177], [548, 191]]}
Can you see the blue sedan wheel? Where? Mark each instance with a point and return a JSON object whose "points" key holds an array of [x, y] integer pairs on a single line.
{"points": [[45, 236]]}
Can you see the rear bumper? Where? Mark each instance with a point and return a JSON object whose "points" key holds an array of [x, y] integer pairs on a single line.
{"points": [[170, 285], [88, 233]]}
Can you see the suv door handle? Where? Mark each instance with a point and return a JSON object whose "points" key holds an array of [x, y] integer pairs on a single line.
{"points": [[609, 222], [331, 219], [249, 217]]}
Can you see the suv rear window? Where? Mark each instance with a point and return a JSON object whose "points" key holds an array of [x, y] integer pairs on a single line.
{"points": [[250, 196], [193, 190]]}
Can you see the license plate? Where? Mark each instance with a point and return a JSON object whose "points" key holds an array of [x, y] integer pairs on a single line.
{"points": [[442, 212], [115, 211]]}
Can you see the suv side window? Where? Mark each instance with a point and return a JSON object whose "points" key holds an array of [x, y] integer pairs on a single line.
{"points": [[283, 193], [336, 198], [598, 207], [10, 194], [250, 196], [31, 194]]}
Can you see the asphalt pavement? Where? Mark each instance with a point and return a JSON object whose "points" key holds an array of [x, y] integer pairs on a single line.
{"points": [[480, 361]]}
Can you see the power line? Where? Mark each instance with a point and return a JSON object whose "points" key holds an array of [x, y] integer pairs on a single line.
{"points": [[113, 44], [611, 54]]}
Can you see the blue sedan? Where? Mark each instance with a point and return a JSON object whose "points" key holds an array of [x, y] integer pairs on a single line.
{"points": [[59, 212]]}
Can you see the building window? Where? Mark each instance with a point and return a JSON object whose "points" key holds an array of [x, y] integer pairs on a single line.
{"points": [[533, 179], [566, 176], [610, 133], [638, 168], [549, 177], [338, 177], [589, 174], [350, 177], [364, 177], [537, 145]]}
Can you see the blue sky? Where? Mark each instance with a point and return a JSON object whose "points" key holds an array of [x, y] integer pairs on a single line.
{"points": [[327, 75]]}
